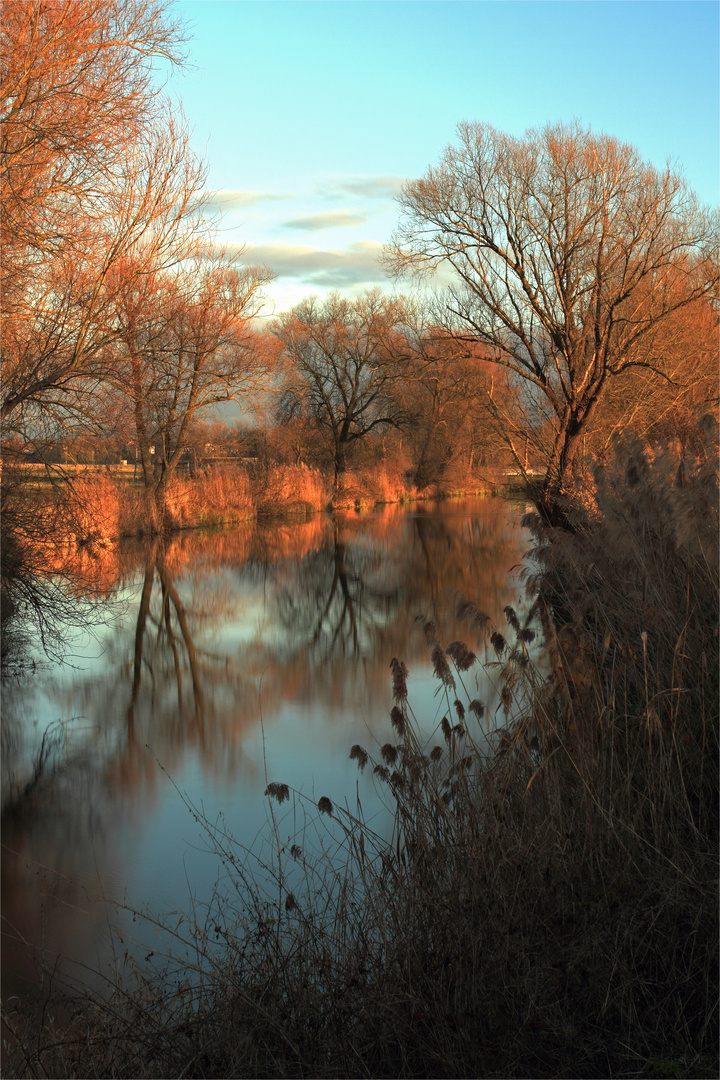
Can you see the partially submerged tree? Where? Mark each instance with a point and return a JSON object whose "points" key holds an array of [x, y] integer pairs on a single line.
{"points": [[569, 251], [343, 360]]}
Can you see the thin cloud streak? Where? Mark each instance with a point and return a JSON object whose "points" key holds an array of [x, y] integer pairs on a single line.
{"points": [[234, 197], [355, 265], [368, 187], [331, 219]]}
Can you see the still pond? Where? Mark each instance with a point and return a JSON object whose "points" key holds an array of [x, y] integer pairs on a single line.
{"points": [[217, 664]]}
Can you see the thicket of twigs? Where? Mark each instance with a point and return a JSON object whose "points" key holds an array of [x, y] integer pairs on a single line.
{"points": [[547, 910]]}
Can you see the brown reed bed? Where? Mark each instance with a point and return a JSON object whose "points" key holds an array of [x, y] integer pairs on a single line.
{"points": [[545, 906], [98, 507], [380, 483]]}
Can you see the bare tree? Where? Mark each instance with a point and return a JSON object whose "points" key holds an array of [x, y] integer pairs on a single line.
{"points": [[76, 76], [94, 168], [568, 252], [96, 175], [343, 361], [185, 342], [57, 331]]}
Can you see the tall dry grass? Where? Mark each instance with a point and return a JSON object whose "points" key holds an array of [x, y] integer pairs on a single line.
{"points": [[382, 483], [282, 490], [217, 497], [634, 596], [544, 908]]}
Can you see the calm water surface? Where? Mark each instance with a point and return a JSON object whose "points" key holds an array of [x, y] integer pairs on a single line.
{"points": [[226, 662]]}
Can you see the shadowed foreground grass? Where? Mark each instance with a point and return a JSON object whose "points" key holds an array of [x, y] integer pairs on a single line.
{"points": [[547, 910]]}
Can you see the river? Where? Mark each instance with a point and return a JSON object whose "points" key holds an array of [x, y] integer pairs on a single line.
{"points": [[216, 664]]}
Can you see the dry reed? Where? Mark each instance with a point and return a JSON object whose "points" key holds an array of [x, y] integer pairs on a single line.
{"points": [[282, 490]]}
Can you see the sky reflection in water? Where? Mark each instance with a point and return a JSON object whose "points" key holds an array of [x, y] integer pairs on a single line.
{"points": [[233, 660]]}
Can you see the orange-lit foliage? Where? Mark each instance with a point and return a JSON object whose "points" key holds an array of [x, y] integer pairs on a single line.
{"points": [[665, 407]]}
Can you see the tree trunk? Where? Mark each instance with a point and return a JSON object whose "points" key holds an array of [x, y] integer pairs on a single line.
{"points": [[552, 496], [340, 464]]}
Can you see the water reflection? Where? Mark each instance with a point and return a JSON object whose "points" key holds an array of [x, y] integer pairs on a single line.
{"points": [[334, 598], [242, 657]]}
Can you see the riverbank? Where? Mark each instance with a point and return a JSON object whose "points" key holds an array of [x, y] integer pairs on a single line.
{"points": [[103, 504], [550, 909]]}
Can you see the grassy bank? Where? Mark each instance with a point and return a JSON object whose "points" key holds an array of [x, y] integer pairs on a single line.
{"points": [[549, 910], [106, 504], [83, 504]]}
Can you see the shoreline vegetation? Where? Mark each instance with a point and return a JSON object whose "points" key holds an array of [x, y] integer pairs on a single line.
{"points": [[549, 909], [102, 504], [49, 512]]}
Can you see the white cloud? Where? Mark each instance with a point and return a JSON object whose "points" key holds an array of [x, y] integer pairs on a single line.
{"points": [[228, 197], [335, 269], [330, 219], [369, 187]]}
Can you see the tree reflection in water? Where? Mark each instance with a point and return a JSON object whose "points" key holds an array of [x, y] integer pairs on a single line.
{"points": [[294, 624], [171, 617], [360, 594], [335, 598]]}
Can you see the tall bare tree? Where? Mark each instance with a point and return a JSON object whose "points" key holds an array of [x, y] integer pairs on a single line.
{"points": [[185, 342], [94, 168], [343, 361], [568, 252]]}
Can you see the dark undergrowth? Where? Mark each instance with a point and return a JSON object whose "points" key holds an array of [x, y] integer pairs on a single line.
{"points": [[546, 909]]}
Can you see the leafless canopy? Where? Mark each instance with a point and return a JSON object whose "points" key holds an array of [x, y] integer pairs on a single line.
{"points": [[184, 341], [95, 169], [343, 361], [567, 250]]}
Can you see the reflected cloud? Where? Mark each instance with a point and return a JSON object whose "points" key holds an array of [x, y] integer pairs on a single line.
{"points": [[331, 219], [356, 264]]}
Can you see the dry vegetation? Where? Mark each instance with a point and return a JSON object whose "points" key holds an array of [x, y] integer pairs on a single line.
{"points": [[549, 910]]}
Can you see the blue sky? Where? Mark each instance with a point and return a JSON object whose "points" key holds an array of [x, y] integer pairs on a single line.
{"points": [[311, 113]]}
